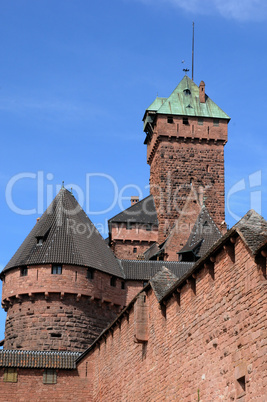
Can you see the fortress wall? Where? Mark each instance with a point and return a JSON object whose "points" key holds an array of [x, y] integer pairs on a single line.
{"points": [[208, 343]]}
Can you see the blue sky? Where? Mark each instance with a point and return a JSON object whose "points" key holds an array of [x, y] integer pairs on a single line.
{"points": [[76, 78]]}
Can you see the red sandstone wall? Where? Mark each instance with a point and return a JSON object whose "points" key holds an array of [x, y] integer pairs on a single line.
{"points": [[124, 240], [125, 250], [183, 227], [58, 312], [70, 387], [174, 166], [198, 347], [55, 324], [73, 280]]}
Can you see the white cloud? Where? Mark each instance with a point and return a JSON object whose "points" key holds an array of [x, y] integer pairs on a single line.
{"points": [[242, 10]]}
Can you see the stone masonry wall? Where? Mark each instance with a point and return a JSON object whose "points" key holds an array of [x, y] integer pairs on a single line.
{"points": [[55, 323], [129, 250], [175, 167], [127, 243], [181, 155], [58, 312], [29, 387], [209, 344]]}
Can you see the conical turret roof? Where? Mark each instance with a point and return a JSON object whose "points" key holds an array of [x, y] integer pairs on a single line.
{"points": [[65, 235]]}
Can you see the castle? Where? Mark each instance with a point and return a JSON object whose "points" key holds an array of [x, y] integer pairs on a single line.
{"points": [[171, 306]]}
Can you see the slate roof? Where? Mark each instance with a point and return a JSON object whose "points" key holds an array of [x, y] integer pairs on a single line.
{"points": [[204, 234], [151, 251], [37, 359], [184, 101], [252, 229], [162, 282], [69, 237], [145, 270], [143, 211]]}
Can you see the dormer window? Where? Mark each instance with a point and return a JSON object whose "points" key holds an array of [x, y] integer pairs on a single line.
{"points": [[187, 91], [23, 271], [56, 269], [40, 241]]}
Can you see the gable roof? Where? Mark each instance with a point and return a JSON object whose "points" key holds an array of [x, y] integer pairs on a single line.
{"points": [[252, 229], [69, 237], [145, 270], [162, 282], [143, 211], [204, 234], [182, 227], [184, 101], [38, 359]]}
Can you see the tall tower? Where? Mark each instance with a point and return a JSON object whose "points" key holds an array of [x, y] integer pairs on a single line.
{"points": [[185, 137]]}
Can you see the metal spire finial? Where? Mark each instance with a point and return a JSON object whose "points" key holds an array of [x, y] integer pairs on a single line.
{"points": [[193, 48]]}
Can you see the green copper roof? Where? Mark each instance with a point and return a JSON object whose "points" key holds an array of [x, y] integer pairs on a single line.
{"points": [[185, 101], [158, 102]]}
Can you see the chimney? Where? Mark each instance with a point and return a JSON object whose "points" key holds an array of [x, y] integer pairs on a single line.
{"points": [[134, 200], [202, 92], [223, 227]]}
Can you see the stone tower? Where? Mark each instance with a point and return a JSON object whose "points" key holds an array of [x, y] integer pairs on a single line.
{"points": [[59, 288], [185, 138]]}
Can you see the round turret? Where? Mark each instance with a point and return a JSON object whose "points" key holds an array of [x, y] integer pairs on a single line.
{"points": [[63, 285]]}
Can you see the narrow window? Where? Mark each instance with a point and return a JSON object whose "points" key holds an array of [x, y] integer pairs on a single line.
{"points": [[177, 128], [57, 269], [23, 271], [185, 121], [208, 168], [193, 286], [193, 129], [122, 285], [90, 273], [113, 281], [135, 250], [10, 375], [216, 122], [200, 121], [170, 120], [76, 274], [241, 386], [50, 376]]}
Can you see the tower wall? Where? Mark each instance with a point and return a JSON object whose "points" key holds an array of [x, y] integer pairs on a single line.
{"points": [[185, 155], [58, 312]]}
